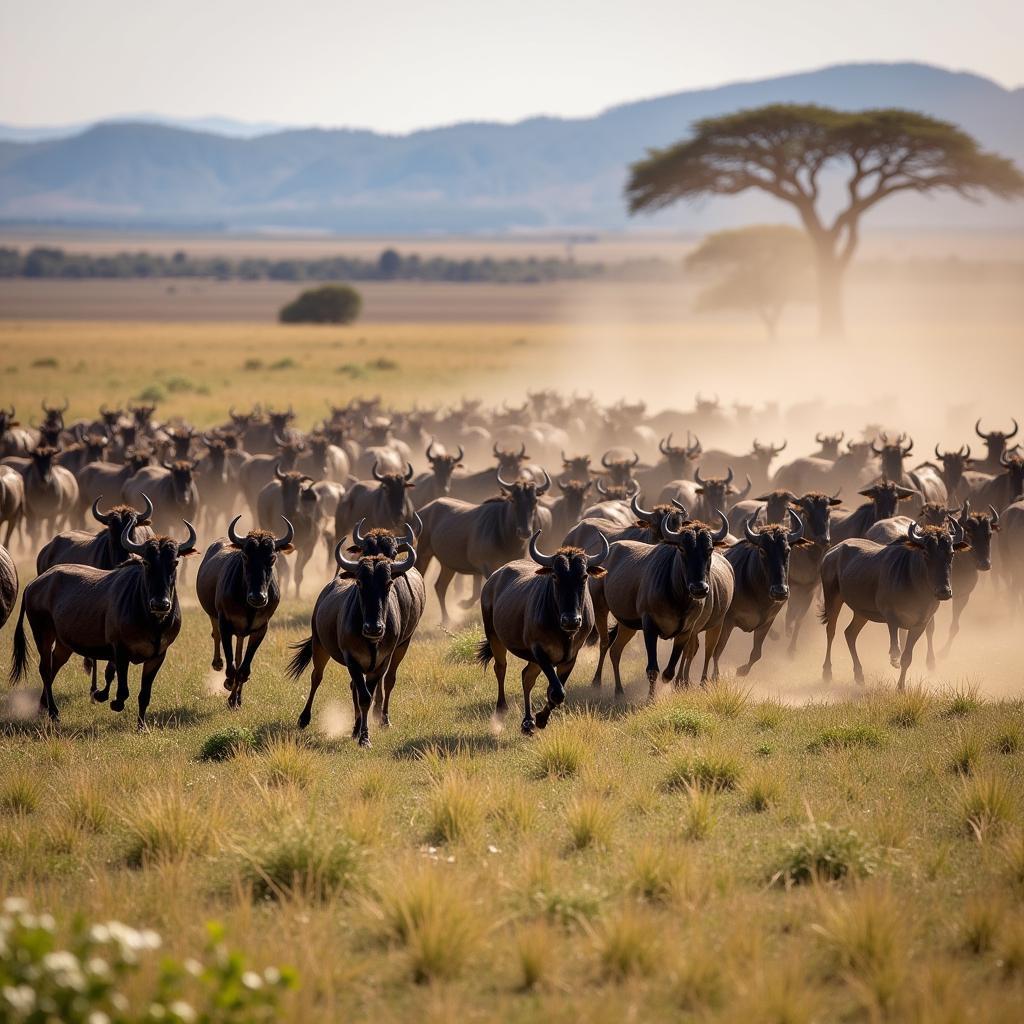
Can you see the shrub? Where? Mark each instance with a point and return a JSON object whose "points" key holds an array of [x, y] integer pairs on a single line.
{"points": [[227, 743], [176, 384], [382, 363], [252, 364], [711, 770], [154, 393], [329, 304], [287, 363], [824, 852], [45, 363]]}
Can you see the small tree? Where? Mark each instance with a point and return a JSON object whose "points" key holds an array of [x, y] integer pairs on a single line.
{"points": [[785, 148], [760, 268], [329, 304]]}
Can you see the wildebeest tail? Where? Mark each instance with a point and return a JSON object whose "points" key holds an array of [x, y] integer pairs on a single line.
{"points": [[484, 654], [301, 658], [19, 655]]}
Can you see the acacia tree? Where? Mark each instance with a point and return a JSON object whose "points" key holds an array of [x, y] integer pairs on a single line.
{"points": [[786, 149], [761, 268]]}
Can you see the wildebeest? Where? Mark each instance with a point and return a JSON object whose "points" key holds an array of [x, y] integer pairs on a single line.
{"points": [[754, 464], [760, 565], [384, 501], [216, 482], [900, 584], [238, 589], [323, 460], [12, 500], [99, 478], [102, 550], [362, 621], [828, 445], [1011, 551], [677, 463], [770, 507], [128, 615], [172, 489], [477, 539], [1001, 489], [8, 585], [614, 503], [953, 465], [543, 616], [88, 449], [924, 479], [995, 442], [262, 437], [51, 494], [576, 467], [643, 525], [884, 500], [703, 496], [256, 472], [567, 509], [292, 496], [620, 467], [674, 590], [477, 487], [437, 483], [14, 438]]}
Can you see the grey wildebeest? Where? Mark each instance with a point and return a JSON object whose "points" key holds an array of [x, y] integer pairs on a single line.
{"points": [[258, 470], [705, 496], [760, 565], [1002, 489], [87, 449], [128, 615], [12, 500], [754, 464], [884, 501], [8, 585], [677, 463], [238, 589], [542, 615], [99, 478], [576, 467], [995, 443], [437, 483], [614, 503], [362, 621], [477, 539], [478, 487], [384, 501], [644, 526], [14, 438], [172, 489], [900, 584], [673, 590], [567, 509], [1011, 551], [51, 494], [292, 496], [924, 479], [953, 465]]}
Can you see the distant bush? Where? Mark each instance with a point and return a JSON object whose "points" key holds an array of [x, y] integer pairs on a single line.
{"points": [[47, 362], [329, 304], [154, 393], [283, 364], [253, 364]]}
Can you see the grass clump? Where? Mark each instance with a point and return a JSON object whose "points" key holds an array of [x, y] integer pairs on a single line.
{"points": [[560, 752], [153, 393], [382, 363], [225, 744], [699, 811], [285, 762], [626, 945], [19, 794], [726, 698], [656, 873], [517, 811], [985, 803], [536, 953], [454, 809], [251, 365], [843, 737], [45, 363], [961, 700], [86, 807], [981, 924], [712, 770], [761, 792], [822, 852], [287, 363], [1009, 741], [1011, 852], [908, 708], [463, 646], [168, 828], [687, 722], [965, 752], [591, 821]]}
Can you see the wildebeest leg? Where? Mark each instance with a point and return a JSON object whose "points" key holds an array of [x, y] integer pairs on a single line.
{"points": [[149, 671], [799, 601], [722, 642], [913, 636], [831, 616], [530, 673], [755, 650], [959, 603], [689, 653], [388, 684], [894, 645], [601, 625], [677, 649], [929, 633], [227, 635], [622, 637], [218, 662], [58, 659], [301, 558], [651, 638], [500, 652], [857, 623], [320, 659], [556, 688], [711, 638], [444, 578], [244, 670], [285, 573], [364, 693], [93, 687], [121, 665]]}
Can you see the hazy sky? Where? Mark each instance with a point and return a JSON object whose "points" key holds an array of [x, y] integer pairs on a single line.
{"points": [[400, 64]]}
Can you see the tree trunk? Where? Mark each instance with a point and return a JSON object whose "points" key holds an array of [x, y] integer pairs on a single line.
{"points": [[830, 295]]}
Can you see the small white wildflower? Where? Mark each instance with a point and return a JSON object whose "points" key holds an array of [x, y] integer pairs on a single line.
{"points": [[47, 923], [99, 933], [252, 980], [98, 1017], [20, 998], [149, 939], [15, 905], [194, 967], [97, 965], [61, 960], [156, 1012], [119, 1002], [182, 1010], [272, 976]]}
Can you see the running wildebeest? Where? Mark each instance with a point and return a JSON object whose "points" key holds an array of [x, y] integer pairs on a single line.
{"points": [[478, 487], [99, 478], [8, 585], [995, 442], [1001, 489], [567, 510], [900, 584], [12, 500], [1011, 552], [884, 501], [362, 621], [128, 615], [51, 494], [172, 489], [543, 616], [384, 501], [292, 496], [953, 465], [102, 550], [238, 589], [437, 482], [705, 495], [644, 526]]}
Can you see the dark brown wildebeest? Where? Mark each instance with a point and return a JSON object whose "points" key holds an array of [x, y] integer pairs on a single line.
{"points": [[828, 445], [620, 468], [478, 487], [614, 503], [262, 437], [99, 478], [384, 501], [89, 448], [128, 615], [142, 416], [677, 463], [12, 500], [362, 621], [884, 500], [760, 565], [1011, 552], [8, 585], [643, 526], [543, 616], [172, 488], [102, 550], [567, 510], [953, 466], [476, 540], [924, 479], [238, 589], [754, 464], [437, 483], [292, 496], [258, 470], [381, 541], [900, 584], [705, 496], [51, 495], [995, 442], [770, 507], [323, 460], [177, 445], [1002, 489], [675, 590], [576, 467]]}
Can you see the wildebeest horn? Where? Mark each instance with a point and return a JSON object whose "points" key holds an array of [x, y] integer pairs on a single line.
{"points": [[410, 536], [978, 431], [601, 489], [639, 512], [166, 464], [280, 441], [280, 543], [632, 487], [914, 533], [682, 508], [698, 478], [190, 542], [937, 455], [357, 532], [746, 490], [66, 405], [842, 434], [798, 529], [277, 471], [593, 561], [503, 483], [723, 530], [462, 451], [1004, 459], [665, 444], [348, 564], [126, 542], [409, 471], [377, 475], [967, 454], [604, 460], [781, 447], [910, 447], [993, 514], [819, 439], [417, 524], [401, 568], [546, 486], [695, 448], [232, 535], [522, 450], [1013, 433], [430, 448], [636, 459], [958, 530], [541, 559], [148, 514], [748, 528], [100, 517], [728, 478], [877, 451], [497, 452]]}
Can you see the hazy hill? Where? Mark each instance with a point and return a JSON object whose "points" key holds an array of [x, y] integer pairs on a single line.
{"points": [[539, 173]]}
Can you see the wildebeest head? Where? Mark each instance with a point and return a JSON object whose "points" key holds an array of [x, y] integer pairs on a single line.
{"points": [[777, 504], [576, 466], [995, 440], [143, 415], [509, 462], [858, 452], [815, 509], [181, 481], [568, 569], [892, 454], [934, 513], [279, 420], [394, 486], [953, 465], [620, 471], [160, 556], [674, 514], [216, 457], [378, 431], [137, 458], [829, 444], [575, 496], [774, 543], [679, 456], [706, 406], [181, 441], [937, 544], [381, 541], [1014, 466], [764, 453], [886, 496], [53, 415], [42, 460], [294, 484], [617, 492], [695, 541], [443, 465], [522, 497], [978, 528], [94, 446], [118, 519], [717, 491], [260, 549], [374, 576], [288, 450], [243, 420], [110, 417], [49, 435]]}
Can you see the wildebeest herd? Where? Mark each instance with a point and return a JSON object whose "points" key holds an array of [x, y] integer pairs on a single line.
{"points": [[627, 530]]}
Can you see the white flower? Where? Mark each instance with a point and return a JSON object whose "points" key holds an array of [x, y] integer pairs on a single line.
{"points": [[99, 933], [61, 960], [20, 998], [252, 980], [272, 976], [97, 965], [47, 922], [15, 905], [182, 1011], [98, 1017], [194, 967]]}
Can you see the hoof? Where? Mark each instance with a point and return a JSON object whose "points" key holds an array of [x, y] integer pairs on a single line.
{"points": [[542, 718], [303, 720], [217, 664], [98, 697], [501, 709], [117, 705], [743, 670], [527, 727], [385, 722], [858, 677], [826, 675], [228, 685], [596, 684], [364, 741], [666, 677]]}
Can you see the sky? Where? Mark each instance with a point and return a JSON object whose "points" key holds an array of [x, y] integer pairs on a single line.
{"points": [[396, 65]]}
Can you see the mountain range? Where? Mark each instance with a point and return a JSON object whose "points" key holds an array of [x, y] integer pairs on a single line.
{"points": [[543, 173]]}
